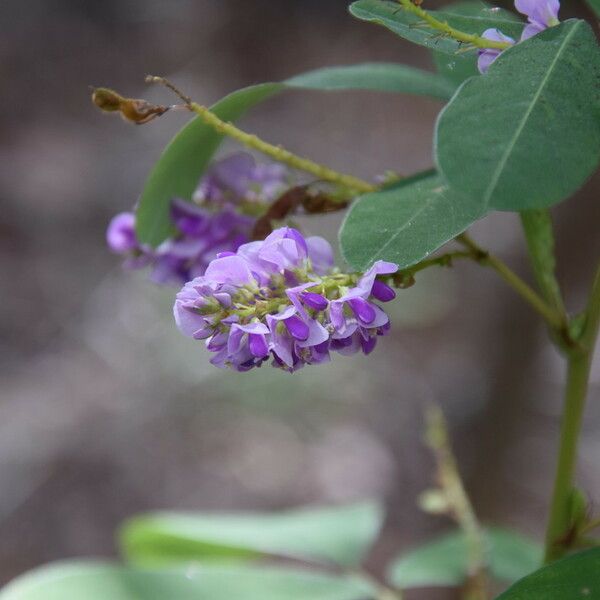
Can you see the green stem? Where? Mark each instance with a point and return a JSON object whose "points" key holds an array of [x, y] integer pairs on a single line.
{"points": [[579, 365], [461, 36], [537, 225], [280, 154], [553, 318]]}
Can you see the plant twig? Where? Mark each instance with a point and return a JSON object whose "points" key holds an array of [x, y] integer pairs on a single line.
{"points": [[551, 316], [445, 29], [457, 502], [275, 152]]}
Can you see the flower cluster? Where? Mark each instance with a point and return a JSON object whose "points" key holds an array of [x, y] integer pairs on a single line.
{"points": [[281, 299], [540, 14], [219, 219]]}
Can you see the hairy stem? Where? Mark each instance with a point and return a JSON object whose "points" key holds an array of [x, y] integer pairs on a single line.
{"points": [[275, 152], [537, 225], [460, 36], [550, 315], [280, 154], [579, 363]]}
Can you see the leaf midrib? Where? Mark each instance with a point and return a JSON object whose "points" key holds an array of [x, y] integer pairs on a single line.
{"points": [[502, 164]]}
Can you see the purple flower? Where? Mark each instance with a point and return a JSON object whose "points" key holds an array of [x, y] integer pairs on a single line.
{"points": [[541, 14], [282, 300], [216, 223], [488, 55], [238, 177]]}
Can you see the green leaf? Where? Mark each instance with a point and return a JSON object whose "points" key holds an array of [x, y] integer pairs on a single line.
{"points": [[571, 578], [470, 15], [595, 6], [183, 161], [340, 535], [406, 222], [376, 77], [474, 20], [526, 135], [457, 68], [87, 580], [443, 562]]}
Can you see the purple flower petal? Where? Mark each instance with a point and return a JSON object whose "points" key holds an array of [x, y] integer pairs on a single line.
{"points": [[320, 254], [314, 300], [229, 269], [363, 310], [487, 56], [317, 334], [258, 345], [382, 291], [297, 327], [540, 12], [368, 345], [120, 234], [281, 345], [531, 30], [188, 218]]}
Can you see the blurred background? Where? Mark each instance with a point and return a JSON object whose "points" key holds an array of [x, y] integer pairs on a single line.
{"points": [[106, 410]]}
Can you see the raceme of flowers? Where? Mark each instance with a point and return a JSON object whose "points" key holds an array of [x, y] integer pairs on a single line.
{"points": [[220, 219], [540, 14], [282, 300]]}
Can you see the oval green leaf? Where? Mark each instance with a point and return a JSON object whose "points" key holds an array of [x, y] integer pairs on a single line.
{"points": [[474, 19], [340, 535], [526, 135], [443, 562], [183, 161], [87, 580], [405, 223], [574, 578]]}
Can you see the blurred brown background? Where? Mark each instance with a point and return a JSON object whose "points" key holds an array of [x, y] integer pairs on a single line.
{"points": [[106, 410]]}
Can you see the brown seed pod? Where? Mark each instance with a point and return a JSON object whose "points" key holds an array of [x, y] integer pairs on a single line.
{"points": [[135, 110]]}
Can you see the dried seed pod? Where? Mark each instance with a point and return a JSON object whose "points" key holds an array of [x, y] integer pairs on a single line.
{"points": [[135, 110]]}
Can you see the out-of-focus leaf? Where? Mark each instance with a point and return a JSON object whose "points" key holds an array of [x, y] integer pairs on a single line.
{"points": [[340, 535], [406, 222], [443, 562], [526, 135], [575, 577], [87, 580], [475, 20], [186, 157], [595, 6], [376, 77]]}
